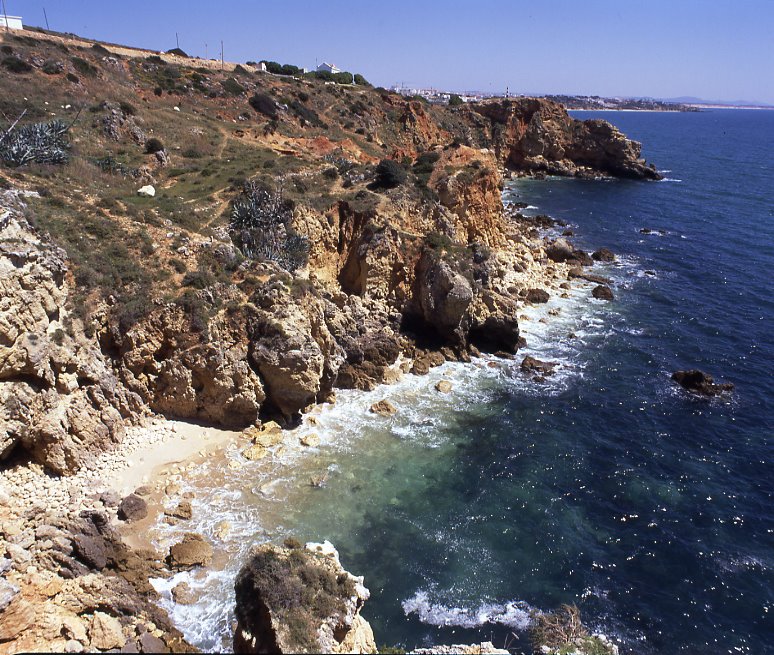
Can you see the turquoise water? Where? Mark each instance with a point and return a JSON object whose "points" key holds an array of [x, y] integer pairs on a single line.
{"points": [[607, 487]]}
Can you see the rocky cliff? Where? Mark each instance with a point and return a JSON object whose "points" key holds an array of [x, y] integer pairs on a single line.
{"points": [[538, 136], [300, 600]]}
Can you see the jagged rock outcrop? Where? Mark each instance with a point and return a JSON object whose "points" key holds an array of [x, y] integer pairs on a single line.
{"points": [[180, 374], [701, 383], [536, 135], [60, 400], [300, 600]]}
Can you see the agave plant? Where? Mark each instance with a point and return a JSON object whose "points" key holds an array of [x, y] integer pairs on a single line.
{"points": [[41, 143], [261, 227]]}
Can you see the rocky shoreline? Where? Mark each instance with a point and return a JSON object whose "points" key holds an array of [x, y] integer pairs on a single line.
{"points": [[123, 312], [88, 503]]}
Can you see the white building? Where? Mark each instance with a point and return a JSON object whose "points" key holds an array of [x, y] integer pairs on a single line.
{"points": [[13, 22], [325, 67]]}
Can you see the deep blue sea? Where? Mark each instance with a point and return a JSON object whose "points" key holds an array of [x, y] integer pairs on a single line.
{"points": [[608, 487]]}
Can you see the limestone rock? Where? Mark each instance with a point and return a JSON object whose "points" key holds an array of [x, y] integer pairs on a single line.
{"points": [[148, 191], [190, 552], [16, 618], [443, 386], [255, 452], [602, 292], [532, 365], [603, 255], [182, 510], [383, 408], [183, 594], [267, 434], [132, 508], [105, 632], [331, 623], [310, 440], [537, 296]]}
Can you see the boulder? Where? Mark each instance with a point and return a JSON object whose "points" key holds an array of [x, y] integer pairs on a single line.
{"points": [[183, 594], [383, 408], [132, 508], [536, 296], [603, 255], [443, 386], [182, 510], [255, 452], [310, 440], [559, 250], [536, 366], [148, 191], [701, 383], [90, 550], [602, 292], [190, 552], [105, 632]]}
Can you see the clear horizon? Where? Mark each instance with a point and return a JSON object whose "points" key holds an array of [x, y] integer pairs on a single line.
{"points": [[715, 51]]}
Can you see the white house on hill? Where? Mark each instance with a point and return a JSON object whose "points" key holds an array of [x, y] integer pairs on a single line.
{"points": [[11, 22], [325, 67]]}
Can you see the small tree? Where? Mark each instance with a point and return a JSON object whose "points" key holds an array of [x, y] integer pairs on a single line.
{"points": [[455, 100], [389, 174]]}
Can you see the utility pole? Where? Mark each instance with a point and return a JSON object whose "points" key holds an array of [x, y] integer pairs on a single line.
{"points": [[221, 55], [177, 41], [46, 17], [205, 51], [5, 13]]}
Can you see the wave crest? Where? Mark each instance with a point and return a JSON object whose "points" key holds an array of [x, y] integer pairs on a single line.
{"points": [[514, 614]]}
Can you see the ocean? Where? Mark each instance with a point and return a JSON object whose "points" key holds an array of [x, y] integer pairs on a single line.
{"points": [[607, 486]]}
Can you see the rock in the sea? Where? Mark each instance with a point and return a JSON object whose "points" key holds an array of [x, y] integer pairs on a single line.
{"points": [[132, 508], [310, 440], [190, 552], [105, 632], [267, 434], [537, 296], [300, 600], [602, 292], [255, 452], [603, 255], [383, 408], [701, 383], [444, 386], [182, 510], [183, 594], [536, 366]]}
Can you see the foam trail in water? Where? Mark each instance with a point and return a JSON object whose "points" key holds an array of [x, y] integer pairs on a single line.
{"points": [[514, 614]]}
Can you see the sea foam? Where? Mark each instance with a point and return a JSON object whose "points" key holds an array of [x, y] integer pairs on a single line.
{"points": [[514, 614]]}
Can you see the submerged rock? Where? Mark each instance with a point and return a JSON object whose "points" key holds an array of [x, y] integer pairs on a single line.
{"points": [[383, 408], [603, 255], [536, 366], [300, 600], [701, 383]]}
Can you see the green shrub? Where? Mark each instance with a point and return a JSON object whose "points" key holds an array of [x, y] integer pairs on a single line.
{"points": [[128, 108], [83, 67], [73, 78], [455, 100], [282, 69], [52, 67], [360, 80], [389, 174], [233, 87], [424, 165], [153, 145], [264, 104], [16, 65], [241, 70], [154, 59], [97, 47], [192, 153], [198, 279]]}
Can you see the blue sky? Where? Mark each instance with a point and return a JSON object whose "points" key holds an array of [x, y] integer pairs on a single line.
{"points": [[713, 49]]}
